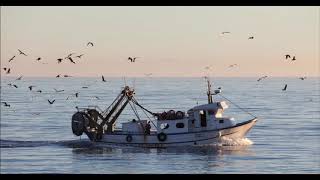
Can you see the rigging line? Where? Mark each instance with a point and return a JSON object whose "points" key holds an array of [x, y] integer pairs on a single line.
{"points": [[136, 102], [134, 111], [238, 106], [137, 117], [149, 118]]}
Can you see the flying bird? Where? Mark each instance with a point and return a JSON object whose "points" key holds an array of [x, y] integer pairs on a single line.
{"points": [[90, 43], [79, 56], [58, 90], [285, 87], [39, 58], [303, 78], [59, 60], [12, 58], [19, 78], [20, 52], [232, 65], [15, 86], [225, 32], [66, 76], [132, 59], [262, 78], [51, 102], [77, 94], [6, 104], [71, 60], [250, 37], [84, 86], [8, 71], [287, 56], [39, 91], [30, 87], [103, 79], [58, 76], [293, 59]]}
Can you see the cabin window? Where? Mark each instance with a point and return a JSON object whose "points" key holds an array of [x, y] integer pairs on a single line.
{"points": [[221, 121], [203, 118], [180, 125], [164, 126], [211, 112]]}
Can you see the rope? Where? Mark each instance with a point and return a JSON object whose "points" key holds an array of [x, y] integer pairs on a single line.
{"points": [[238, 106]]}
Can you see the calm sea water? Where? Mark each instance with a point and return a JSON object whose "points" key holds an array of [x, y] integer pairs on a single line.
{"points": [[36, 137]]}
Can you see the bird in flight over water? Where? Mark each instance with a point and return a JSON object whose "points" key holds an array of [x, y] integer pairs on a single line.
{"points": [[51, 102], [285, 87], [287, 56], [103, 79], [6, 104], [250, 37], [90, 43]]}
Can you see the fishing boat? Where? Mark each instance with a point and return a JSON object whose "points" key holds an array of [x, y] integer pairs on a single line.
{"points": [[201, 125]]}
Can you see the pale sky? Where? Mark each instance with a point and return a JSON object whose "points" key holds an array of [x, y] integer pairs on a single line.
{"points": [[171, 41]]}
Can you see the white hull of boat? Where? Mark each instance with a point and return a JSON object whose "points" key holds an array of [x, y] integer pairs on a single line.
{"points": [[203, 137]]}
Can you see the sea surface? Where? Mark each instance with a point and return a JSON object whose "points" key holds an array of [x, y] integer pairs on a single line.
{"points": [[36, 137]]}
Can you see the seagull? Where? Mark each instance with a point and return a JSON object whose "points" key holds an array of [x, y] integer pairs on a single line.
{"points": [[58, 90], [39, 58], [15, 86], [77, 94], [8, 71], [51, 102], [103, 79], [262, 78], [5, 69], [294, 58], [19, 78], [30, 87], [71, 60], [12, 58], [59, 60], [21, 52], [79, 56], [132, 59], [90, 43], [285, 87], [66, 76], [6, 104], [39, 91], [233, 65], [303, 78], [287, 56], [250, 37]]}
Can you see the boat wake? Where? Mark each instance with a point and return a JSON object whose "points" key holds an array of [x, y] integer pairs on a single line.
{"points": [[68, 143], [235, 142]]}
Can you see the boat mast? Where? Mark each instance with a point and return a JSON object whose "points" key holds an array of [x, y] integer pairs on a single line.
{"points": [[209, 92]]}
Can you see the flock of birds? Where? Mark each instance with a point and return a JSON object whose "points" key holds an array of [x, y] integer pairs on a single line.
{"points": [[287, 56], [72, 58]]}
